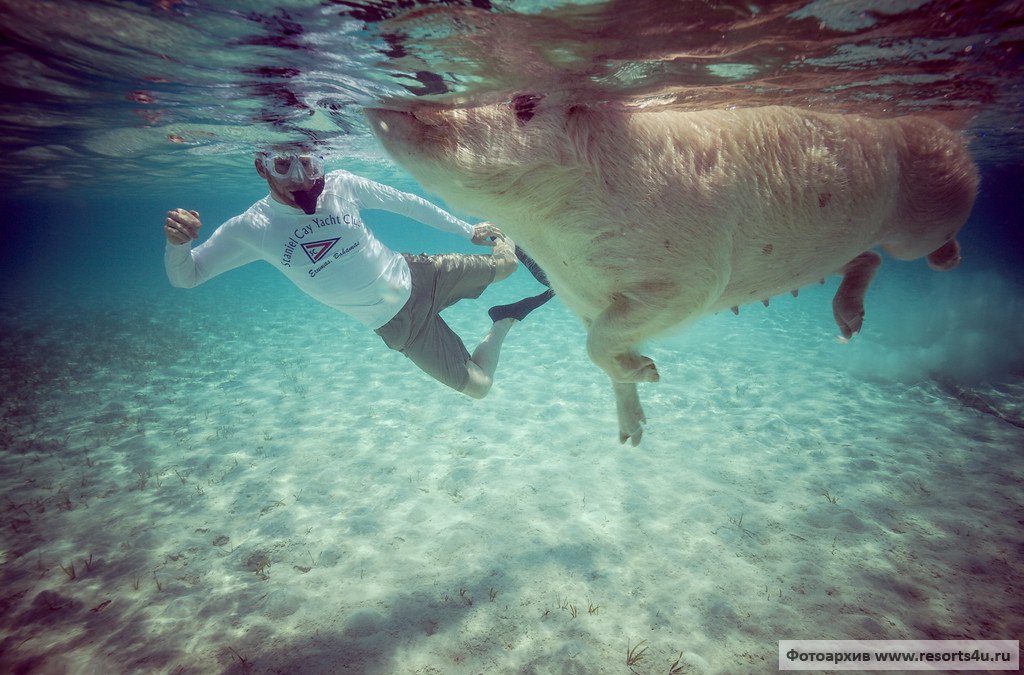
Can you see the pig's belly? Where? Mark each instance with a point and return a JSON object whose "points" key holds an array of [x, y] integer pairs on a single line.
{"points": [[774, 269]]}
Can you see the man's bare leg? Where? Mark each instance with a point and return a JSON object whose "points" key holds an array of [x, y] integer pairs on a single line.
{"points": [[484, 361]]}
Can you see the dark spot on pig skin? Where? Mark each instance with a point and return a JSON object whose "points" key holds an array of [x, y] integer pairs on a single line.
{"points": [[524, 105], [767, 249], [823, 199]]}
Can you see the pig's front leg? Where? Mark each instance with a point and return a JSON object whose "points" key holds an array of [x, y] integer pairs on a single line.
{"points": [[631, 415], [611, 338]]}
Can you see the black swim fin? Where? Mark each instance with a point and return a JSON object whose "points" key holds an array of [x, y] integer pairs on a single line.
{"points": [[519, 310], [532, 265]]}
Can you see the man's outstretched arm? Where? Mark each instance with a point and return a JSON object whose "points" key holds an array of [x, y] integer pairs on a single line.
{"points": [[373, 195], [187, 267]]}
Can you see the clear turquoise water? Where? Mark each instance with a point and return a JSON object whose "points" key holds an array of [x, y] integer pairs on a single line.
{"points": [[139, 424]]}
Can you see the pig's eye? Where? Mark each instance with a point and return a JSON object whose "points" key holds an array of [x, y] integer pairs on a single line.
{"points": [[524, 105]]}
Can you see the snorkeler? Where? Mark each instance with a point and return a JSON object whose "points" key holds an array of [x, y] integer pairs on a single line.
{"points": [[309, 228]]}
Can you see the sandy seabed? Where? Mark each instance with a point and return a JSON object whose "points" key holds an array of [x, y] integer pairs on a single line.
{"points": [[210, 486]]}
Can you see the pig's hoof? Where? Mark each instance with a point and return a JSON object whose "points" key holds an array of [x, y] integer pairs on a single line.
{"points": [[946, 257], [634, 436], [630, 412], [849, 315], [631, 424]]}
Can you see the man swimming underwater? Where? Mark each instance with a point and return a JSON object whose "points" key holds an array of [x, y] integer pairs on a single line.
{"points": [[309, 228]]}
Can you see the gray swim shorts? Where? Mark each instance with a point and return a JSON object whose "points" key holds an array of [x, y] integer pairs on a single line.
{"points": [[419, 332]]}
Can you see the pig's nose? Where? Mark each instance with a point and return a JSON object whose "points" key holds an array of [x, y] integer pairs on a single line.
{"points": [[428, 116]]}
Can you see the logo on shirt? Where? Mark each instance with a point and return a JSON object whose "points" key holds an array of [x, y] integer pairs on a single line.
{"points": [[318, 249]]}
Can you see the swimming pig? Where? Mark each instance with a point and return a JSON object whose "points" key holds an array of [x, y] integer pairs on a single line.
{"points": [[644, 221]]}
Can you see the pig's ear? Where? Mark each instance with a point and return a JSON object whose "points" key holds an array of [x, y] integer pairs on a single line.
{"points": [[524, 105]]}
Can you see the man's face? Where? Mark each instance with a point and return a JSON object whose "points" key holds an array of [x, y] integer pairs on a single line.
{"points": [[295, 180]]}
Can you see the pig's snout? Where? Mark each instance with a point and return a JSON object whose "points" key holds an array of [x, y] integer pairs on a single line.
{"points": [[431, 118]]}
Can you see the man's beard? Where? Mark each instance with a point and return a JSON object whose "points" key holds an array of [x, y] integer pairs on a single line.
{"points": [[306, 199]]}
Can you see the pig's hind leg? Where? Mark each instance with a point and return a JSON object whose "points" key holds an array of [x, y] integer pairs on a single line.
{"points": [[946, 257], [848, 303]]}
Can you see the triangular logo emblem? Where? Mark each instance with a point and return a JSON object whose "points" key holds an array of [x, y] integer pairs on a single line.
{"points": [[318, 249]]}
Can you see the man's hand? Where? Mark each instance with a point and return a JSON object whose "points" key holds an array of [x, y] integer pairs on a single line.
{"points": [[182, 226], [484, 234]]}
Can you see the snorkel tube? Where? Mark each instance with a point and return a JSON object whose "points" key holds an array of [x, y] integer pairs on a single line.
{"points": [[306, 199]]}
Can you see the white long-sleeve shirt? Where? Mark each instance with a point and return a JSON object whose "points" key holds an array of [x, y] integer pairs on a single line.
{"points": [[331, 255]]}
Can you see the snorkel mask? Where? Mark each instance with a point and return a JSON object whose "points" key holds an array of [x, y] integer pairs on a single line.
{"points": [[297, 168], [293, 167]]}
